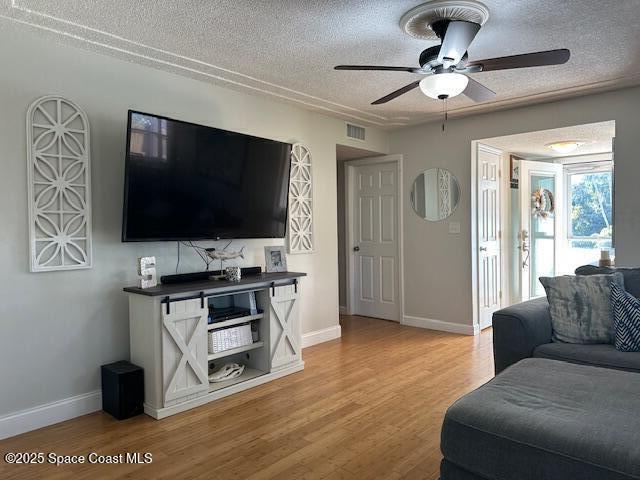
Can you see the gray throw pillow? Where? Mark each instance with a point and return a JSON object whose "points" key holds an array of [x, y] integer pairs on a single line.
{"points": [[580, 307]]}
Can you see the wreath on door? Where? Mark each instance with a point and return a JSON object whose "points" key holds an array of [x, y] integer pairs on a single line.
{"points": [[543, 203]]}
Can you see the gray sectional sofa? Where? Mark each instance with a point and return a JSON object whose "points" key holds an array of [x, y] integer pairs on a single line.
{"points": [[524, 330], [555, 411], [545, 419]]}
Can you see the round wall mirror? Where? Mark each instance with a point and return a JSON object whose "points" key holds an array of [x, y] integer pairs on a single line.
{"points": [[435, 194]]}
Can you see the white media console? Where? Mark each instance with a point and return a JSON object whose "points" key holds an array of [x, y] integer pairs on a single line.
{"points": [[169, 338]]}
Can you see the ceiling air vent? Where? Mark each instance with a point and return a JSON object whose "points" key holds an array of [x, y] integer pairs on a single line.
{"points": [[356, 132]]}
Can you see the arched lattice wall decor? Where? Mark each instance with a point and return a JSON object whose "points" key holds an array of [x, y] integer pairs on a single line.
{"points": [[300, 231], [59, 185], [444, 188]]}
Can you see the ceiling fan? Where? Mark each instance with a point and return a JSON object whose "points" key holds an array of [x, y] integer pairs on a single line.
{"points": [[447, 64]]}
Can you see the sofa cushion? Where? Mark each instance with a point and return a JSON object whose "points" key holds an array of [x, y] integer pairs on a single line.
{"points": [[580, 307], [544, 419], [600, 355], [631, 276]]}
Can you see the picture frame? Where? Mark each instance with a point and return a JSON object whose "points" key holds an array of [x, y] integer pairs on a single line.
{"points": [[275, 259], [514, 171]]}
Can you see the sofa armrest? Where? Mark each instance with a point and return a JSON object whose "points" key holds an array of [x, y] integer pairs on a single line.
{"points": [[518, 330]]}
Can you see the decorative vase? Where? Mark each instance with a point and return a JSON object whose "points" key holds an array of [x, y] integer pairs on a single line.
{"points": [[232, 274]]}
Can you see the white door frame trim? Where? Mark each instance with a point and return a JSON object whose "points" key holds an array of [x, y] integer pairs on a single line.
{"points": [[475, 145], [349, 195], [474, 233]]}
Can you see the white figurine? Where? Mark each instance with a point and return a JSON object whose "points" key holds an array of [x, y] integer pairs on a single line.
{"points": [[224, 254], [229, 371], [147, 272]]}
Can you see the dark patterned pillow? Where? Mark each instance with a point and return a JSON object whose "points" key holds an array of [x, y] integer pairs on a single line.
{"points": [[626, 319]]}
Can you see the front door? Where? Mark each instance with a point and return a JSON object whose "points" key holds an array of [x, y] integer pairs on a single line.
{"points": [[373, 205], [489, 233], [540, 225]]}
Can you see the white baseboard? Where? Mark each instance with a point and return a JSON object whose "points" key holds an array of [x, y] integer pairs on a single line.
{"points": [[432, 324], [319, 336], [50, 413], [343, 310], [488, 324]]}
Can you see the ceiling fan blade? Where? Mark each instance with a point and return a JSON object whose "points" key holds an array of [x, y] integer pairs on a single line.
{"points": [[457, 39], [397, 93], [535, 59], [376, 67], [478, 92]]}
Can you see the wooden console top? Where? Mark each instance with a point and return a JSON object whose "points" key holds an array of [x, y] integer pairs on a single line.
{"points": [[216, 286]]}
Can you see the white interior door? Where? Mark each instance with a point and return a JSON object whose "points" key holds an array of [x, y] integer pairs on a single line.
{"points": [[374, 238], [540, 237], [488, 234]]}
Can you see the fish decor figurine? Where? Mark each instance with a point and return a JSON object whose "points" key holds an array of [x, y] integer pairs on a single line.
{"points": [[224, 255]]}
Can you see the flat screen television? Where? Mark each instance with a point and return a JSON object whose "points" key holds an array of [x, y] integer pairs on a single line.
{"points": [[190, 182]]}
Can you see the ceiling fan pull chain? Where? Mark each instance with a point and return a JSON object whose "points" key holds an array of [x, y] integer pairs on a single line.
{"points": [[444, 111]]}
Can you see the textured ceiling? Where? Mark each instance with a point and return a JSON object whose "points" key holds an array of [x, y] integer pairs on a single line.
{"points": [[597, 138], [287, 48]]}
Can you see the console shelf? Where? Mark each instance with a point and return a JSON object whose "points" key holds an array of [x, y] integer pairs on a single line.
{"points": [[169, 338], [233, 351], [234, 321], [248, 374]]}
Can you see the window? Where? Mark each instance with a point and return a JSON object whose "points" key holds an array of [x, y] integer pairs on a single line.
{"points": [[590, 211], [148, 136]]}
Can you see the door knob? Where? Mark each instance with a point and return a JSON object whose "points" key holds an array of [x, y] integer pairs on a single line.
{"points": [[483, 249], [356, 249]]}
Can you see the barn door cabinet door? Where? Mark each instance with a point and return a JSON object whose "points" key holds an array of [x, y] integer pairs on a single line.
{"points": [[184, 351], [285, 335]]}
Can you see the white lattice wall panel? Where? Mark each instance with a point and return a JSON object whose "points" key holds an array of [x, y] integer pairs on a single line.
{"points": [[59, 177], [300, 231]]}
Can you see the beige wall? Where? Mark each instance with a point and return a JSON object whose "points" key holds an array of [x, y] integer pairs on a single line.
{"points": [[438, 264], [342, 233], [59, 327]]}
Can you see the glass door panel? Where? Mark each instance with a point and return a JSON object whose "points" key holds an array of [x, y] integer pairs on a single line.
{"points": [[541, 228], [543, 232]]}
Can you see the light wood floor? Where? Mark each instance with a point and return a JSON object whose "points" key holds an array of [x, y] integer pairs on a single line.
{"points": [[367, 406]]}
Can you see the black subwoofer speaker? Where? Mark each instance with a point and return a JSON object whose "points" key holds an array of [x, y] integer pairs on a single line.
{"points": [[122, 389]]}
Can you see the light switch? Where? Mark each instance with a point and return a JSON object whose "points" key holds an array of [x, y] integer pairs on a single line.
{"points": [[454, 227]]}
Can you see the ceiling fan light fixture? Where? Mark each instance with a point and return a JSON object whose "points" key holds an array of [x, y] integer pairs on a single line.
{"points": [[443, 85], [417, 22], [565, 146]]}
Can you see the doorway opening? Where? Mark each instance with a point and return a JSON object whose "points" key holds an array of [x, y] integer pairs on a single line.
{"points": [[552, 208], [369, 233]]}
